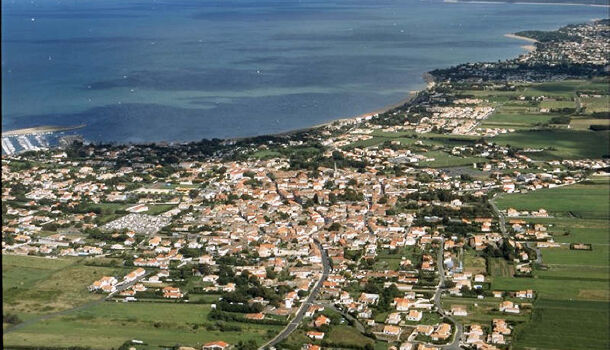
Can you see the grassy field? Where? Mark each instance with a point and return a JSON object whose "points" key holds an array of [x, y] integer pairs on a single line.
{"points": [[474, 263], [573, 295], [584, 123], [591, 196], [595, 104], [500, 267], [565, 325], [111, 324], [482, 310], [34, 285], [515, 120], [444, 159], [559, 143]]}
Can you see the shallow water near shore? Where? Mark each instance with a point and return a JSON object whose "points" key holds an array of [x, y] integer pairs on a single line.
{"points": [[140, 71]]}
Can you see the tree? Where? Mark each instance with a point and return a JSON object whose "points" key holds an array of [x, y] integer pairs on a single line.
{"points": [[249, 344]]}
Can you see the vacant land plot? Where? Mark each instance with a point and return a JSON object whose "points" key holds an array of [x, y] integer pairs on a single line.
{"points": [[34, 285], [557, 289], [558, 143], [157, 324], [444, 159], [483, 310], [564, 256], [585, 123], [595, 104], [500, 267], [516, 120], [587, 200], [565, 325], [474, 263]]}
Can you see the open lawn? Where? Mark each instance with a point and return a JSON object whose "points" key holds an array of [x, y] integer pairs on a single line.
{"points": [[565, 325], [110, 324]]}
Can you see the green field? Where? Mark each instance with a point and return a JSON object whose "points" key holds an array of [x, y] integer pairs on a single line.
{"points": [[559, 143], [34, 285], [444, 159], [474, 263], [573, 295], [482, 310], [110, 324], [516, 120], [565, 325], [591, 196]]}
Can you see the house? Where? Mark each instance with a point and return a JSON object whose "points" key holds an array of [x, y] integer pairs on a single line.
{"points": [[415, 315], [402, 304], [369, 298], [315, 335], [424, 329], [392, 330], [509, 307], [442, 332], [216, 345], [104, 282], [313, 309], [497, 293], [172, 293], [321, 321], [393, 318], [256, 316], [406, 346], [525, 294], [458, 310], [135, 274]]}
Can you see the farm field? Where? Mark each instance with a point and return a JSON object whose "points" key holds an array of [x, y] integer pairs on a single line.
{"points": [[111, 324]]}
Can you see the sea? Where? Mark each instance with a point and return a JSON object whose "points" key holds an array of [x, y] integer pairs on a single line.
{"points": [[183, 70]]}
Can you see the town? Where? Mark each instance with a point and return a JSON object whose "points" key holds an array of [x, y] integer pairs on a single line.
{"points": [[445, 223]]}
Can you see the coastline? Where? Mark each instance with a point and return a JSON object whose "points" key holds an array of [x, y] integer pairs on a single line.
{"points": [[41, 129], [528, 48], [519, 37], [412, 94]]}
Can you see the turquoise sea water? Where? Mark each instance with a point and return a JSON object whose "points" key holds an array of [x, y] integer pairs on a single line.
{"points": [[139, 71]]}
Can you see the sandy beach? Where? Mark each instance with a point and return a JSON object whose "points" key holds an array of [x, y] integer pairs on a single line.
{"points": [[518, 37], [40, 129]]}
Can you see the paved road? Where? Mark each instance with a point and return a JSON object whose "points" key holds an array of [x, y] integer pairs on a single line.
{"points": [[457, 336], [120, 288], [500, 216], [290, 327]]}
